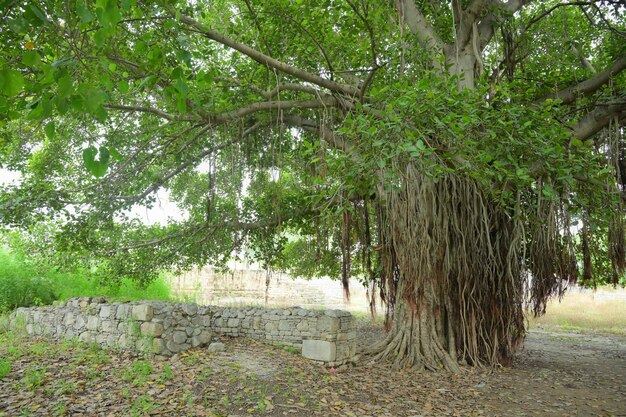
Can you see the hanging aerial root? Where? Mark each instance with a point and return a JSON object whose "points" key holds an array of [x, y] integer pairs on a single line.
{"points": [[452, 258]]}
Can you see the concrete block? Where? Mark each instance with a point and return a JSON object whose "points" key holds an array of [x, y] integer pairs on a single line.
{"points": [[319, 350]]}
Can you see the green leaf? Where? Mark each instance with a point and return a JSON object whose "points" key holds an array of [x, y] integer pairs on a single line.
{"points": [[115, 154], [49, 129], [123, 87], [94, 100], [89, 156], [577, 142], [97, 167], [11, 82], [83, 12], [65, 86], [38, 12], [100, 37], [182, 87], [31, 58]]}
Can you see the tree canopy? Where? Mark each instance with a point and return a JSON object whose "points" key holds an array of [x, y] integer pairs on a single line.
{"points": [[467, 156]]}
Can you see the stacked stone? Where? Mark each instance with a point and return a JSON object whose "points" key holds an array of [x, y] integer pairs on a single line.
{"points": [[165, 328]]}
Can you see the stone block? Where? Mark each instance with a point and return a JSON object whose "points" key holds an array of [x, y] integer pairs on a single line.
{"points": [[79, 323], [233, 322], [151, 329], [92, 323], [179, 337], [106, 311], [68, 320], [319, 350], [70, 333], [112, 340], [122, 312], [87, 337], [190, 309], [285, 325], [202, 339], [158, 346], [216, 347], [327, 324], [108, 326], [175, 347], [143, 312]]}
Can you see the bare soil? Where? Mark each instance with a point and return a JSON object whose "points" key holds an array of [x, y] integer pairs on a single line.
{"points": [[556, 375]]}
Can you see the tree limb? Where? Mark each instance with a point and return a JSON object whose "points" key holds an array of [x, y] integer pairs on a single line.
{"points": [[264, 59], [487, 25], [589, 86], [419, 26], [322, 102], [144, 109], [599, 118]]}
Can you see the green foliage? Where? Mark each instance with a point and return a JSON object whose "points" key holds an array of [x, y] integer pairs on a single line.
{"points": [[34, 377], [5, 368], [24, 284], [129, 98], [21, 285]]}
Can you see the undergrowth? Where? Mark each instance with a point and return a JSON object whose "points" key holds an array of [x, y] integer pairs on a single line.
{"points": [[23, 284]]}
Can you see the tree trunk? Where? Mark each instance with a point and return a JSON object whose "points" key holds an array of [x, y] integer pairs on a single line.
{"points": [[452, 259], [421, 337], [462, 64]]}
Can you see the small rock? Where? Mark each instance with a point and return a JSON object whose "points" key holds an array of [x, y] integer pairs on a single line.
{"points": [[216, 347]]}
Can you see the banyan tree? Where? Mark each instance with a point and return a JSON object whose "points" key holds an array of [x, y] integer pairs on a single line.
{"points": [[464, 159]]}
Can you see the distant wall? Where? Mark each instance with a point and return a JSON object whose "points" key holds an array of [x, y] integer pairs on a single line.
{"points": [[165, 328], [245, 285]]}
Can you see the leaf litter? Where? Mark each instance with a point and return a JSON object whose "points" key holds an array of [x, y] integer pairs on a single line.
{"points": [[552, 377]]}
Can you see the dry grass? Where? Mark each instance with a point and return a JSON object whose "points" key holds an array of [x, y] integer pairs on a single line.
{"points": [[600, 312]]}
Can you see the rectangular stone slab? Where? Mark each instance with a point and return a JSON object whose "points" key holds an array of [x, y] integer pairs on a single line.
{"points": [[319, 350]]}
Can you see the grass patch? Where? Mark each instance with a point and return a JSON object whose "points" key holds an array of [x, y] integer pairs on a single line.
{"points": [[23, 284], [584, 312], [5, 368]]}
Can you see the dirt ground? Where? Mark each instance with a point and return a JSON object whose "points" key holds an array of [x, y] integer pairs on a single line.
{"points": [[561, 374], [556, 375]]}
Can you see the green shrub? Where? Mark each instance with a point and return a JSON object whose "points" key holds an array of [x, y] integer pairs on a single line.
{"points": [[5, 368], [21, 285]]}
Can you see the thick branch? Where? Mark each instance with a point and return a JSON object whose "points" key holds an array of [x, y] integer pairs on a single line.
{"points": [[323, 102], [419, 26], [144, 109], [594, 121], [488, 24], [322, 131], [590, 85], [267, 60]]}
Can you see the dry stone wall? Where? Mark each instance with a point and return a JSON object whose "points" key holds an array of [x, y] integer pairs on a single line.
{"points": [[166, 328]]}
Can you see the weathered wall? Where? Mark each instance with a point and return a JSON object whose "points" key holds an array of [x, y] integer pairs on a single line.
{"points": [[245, 285], [165, 328]]}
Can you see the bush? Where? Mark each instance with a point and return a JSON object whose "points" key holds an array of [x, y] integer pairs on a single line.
{"points": [[21, 285]]}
